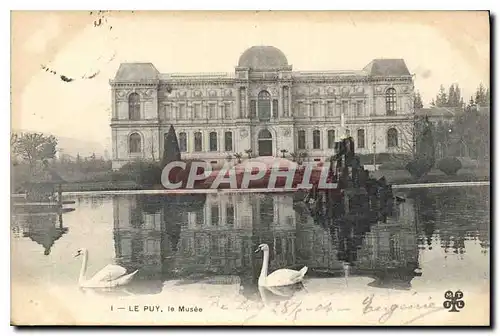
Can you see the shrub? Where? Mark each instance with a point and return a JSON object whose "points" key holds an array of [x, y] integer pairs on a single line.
{"points": [[450, 165], [393, 165], [419, 167]]}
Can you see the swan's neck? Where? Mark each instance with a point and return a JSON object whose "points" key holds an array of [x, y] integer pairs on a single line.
{"points": [[81, 278], [263, 271]]}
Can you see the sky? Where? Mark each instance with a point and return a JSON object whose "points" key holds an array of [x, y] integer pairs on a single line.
{"points": [[438, 47]]}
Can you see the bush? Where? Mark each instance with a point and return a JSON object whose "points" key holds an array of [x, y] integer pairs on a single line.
{"points": [[419, 167], [393, 165], [146, 174], [450, 165]]}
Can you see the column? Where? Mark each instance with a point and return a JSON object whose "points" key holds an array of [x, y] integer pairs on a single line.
{"points": [[247, 102], [308, 109], [290, 113], [322, 108]]}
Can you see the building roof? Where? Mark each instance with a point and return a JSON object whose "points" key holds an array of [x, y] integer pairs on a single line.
{"points": [[262, 57], [136, 72], [441, 112], [387, 68]]}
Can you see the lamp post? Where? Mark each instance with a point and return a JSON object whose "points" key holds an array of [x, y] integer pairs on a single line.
{"points": [[374, 155]]}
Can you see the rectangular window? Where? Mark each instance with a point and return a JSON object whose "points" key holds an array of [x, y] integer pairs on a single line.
{"points": [[198, 142], [331, 139], [212, 111], [230, 214], [197, 111], [302, 109], [213, 141], [228, 141], [315, 107], [182, 142], [360, 108], [182, 111], [331, 108], [301, 142], [345, 107], [361, 138], [215, 214], [316, 139], [227, 111]]}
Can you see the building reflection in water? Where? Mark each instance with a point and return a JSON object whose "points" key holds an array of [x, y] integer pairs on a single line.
{"points": [[213, 238]]}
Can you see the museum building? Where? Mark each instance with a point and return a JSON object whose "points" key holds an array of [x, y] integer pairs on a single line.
{"points": [[263, 106]]}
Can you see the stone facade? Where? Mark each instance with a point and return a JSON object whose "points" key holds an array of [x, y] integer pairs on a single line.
{"points": [[263, 106]]}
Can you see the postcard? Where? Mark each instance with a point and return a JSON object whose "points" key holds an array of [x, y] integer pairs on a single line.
{"points": [[250, 168]]}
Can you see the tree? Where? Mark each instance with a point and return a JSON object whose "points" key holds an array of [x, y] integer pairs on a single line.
{"points": [[417, 101], [34, 147], [482, 96], [441, 98], [171, 151]]}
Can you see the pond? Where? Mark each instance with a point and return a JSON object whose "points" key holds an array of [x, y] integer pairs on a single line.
{"points": [[196, 261]]}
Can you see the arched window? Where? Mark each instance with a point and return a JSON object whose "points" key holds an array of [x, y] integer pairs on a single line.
{"points": [[182, 142], [265, 134], [392, 138], [390, 101], [134, 106], [361, 138], [316, 139], [264, 105], [301, 141], [331, 139], [134, 143], [198, 143], [213, 141]]}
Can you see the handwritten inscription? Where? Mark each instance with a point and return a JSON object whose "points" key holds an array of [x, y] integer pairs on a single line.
{"points": [[387, 311], [293, 309]]}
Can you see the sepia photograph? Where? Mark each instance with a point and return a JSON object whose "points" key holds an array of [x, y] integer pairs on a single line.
{"points": [[250, 168]]}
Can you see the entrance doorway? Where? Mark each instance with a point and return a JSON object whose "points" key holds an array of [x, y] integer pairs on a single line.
{"points": [[265, 140]]}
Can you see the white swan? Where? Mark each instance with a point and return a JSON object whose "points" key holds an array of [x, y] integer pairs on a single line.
{"points": [[281, 277], [109, 276]]}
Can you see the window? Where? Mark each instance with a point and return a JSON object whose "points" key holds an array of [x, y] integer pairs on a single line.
{"points": [[253, 109], [345, 107], [168, 111], [359, 108], [285, 101], [212, 112], [275, 108], [215, 214], [390, 101], [243, 109], [301, 142], [264, 105], [198, 142], [213, 141], [197, 111], [347, 133], [227, 111], [182, 111], [331, 108], [361, 138], [331, 139], [315, 109], [302, 109], [134, 143], [134, 106], [392, 138], [228, 141], [182, 142], [229, 214], [316, 139]]}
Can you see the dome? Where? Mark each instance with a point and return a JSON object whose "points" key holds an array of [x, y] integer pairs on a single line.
{"points": [[262, 57]]}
